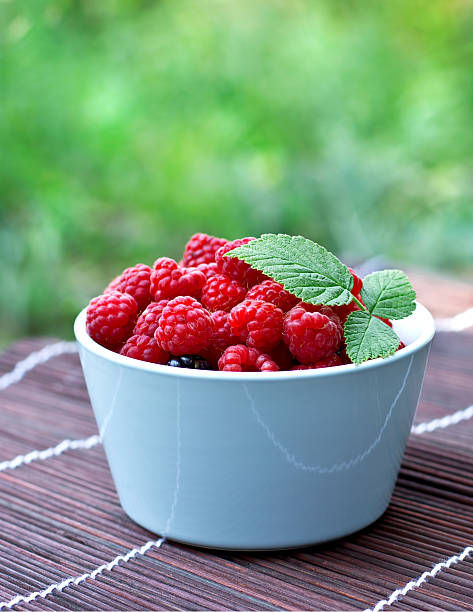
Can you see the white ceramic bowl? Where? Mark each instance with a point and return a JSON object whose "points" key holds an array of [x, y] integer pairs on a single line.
{"points": [[256, 460]]}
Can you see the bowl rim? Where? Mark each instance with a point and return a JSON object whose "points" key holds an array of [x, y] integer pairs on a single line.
{"points": [[424, 338]]}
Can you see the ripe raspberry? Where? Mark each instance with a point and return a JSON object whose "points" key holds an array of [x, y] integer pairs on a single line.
{"points": [[357, 282], [209, 269], [282, 356], [343, 311], [240, 358], [344, 356], [222, 336], [134, 281], [328, 362], [222, 293], [271, 291], [185, 327], [257, 323], [312, 332], [168, 280], [236, 268], [201, 249], [110, 318], [144, 348], [149, 318], [223, 331]]}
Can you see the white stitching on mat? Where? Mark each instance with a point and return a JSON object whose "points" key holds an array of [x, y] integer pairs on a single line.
{"points": [[60, 586], [459, 322], [34, 359], [442, 423], [413, 584], [47, 453]]}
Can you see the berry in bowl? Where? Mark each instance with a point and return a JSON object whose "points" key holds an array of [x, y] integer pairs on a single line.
{"points": [[258, 394]]}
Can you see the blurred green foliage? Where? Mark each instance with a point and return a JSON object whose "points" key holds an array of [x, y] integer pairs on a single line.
{"points": [[127, 125]]}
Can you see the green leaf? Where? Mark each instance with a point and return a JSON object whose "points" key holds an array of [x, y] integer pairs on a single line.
{"points": [[304, 268], [367, 337], [388, 294]]}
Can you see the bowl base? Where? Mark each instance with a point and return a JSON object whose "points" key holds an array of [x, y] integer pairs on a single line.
{"points": [[197, 543]]}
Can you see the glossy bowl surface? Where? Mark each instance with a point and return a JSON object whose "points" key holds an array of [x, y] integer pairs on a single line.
{"points": [[256, 460]]}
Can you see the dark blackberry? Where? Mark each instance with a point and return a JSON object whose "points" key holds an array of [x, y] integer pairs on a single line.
{"points": [[194, 362]]}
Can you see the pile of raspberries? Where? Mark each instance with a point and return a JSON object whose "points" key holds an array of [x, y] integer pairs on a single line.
{"points": [[214, 312]]}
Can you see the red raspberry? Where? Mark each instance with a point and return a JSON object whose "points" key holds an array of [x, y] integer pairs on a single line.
{"points": [[257, 323], [149, 318], [328, 362], [222, 336], [136, 282], [271, 291], [168, 280], [222, 293], [312, 332], [236, 268], [344, 356], [209, 269], [240, 358], [343, 311], [145, 349], [110, 318], [357, 282], [185, 327], [201, 249], [282, 356]]}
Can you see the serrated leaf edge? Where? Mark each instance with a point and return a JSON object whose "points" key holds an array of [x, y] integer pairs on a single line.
{"points": [[372, 354], [411, 293]]}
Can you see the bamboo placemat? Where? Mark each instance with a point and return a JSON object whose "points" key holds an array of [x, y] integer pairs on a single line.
{"points": [[60, 520]]}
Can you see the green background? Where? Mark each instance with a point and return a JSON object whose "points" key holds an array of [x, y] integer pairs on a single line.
{"points": [[127, 125]]}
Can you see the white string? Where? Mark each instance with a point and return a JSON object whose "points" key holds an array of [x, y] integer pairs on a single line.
{"points": [[442, 423], [60, 586], [47, 453], [414, 584], [459, 322], [34, 359], [23, 367]]}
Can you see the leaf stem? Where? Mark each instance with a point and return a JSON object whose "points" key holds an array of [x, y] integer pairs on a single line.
{"points": [[360, 304]]}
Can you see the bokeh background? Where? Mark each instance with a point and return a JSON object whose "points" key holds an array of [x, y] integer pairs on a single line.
{"points": [[127, 125]]}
